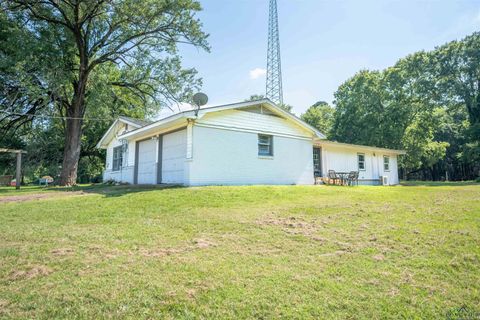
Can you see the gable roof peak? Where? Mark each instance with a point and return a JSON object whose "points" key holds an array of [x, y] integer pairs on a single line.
{"points": [[136, 121]]}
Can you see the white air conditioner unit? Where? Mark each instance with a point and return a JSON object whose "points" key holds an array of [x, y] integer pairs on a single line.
{"points": [[385, 180]]}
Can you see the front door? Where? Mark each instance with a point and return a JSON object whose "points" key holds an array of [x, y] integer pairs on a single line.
{"points": [[317, 162]]}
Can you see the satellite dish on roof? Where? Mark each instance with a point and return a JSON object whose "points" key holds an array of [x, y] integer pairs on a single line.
{"points": [[200, 99]]}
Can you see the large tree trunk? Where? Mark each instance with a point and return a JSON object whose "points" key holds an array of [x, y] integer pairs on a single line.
{"points": [[71, 153], [73, 133]]}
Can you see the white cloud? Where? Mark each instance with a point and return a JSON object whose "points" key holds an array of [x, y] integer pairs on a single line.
{"points": [[257, 73]]}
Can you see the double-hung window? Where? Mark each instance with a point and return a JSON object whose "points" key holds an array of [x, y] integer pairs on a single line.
{"points": [[117, 158], [265, 145], [386, 163], [361, 161]]}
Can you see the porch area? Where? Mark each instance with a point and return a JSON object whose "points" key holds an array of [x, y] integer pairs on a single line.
{"points": [[338, 163]]}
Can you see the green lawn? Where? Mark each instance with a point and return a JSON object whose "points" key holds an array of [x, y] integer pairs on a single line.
{"points": [[240, 252]]}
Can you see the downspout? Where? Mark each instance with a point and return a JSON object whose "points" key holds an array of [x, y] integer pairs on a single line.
{"points": [[189, 155]]}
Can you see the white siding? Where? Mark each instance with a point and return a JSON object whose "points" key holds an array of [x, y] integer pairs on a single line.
{"points": [[174, 154], [147, 164], [244, 120], [125, 174], [226, 157], [345, 159]]}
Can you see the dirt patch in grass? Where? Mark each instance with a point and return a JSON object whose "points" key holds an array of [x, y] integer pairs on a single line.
{"points": [[288, 224], [196, 244], [33, 272], [39, 196], [333, 254], [379, 257], [62, 251], [3, 306], [293, 225], [203, 243]]}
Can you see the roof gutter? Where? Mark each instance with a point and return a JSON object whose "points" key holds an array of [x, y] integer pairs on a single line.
{"points": [[154, 125], [358, 146]]}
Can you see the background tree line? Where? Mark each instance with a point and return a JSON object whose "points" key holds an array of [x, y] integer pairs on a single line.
{"points": [[428, 103]]}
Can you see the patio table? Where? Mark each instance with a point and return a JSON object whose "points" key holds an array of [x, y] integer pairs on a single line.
{"points": [[343, 176]]}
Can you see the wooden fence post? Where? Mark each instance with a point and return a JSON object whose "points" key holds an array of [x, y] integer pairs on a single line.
{"points": [[19, 171]]}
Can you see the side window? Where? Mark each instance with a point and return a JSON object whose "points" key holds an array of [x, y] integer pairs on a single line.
{"points": [[265, 145], [361, 161], [117, 158], [386, 163]]}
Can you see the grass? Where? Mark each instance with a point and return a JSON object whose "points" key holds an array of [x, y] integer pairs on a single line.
{"points": [[241, 252]]}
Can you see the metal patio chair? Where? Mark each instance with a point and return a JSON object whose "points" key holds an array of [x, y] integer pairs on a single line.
{"points": [[352, 178], [332, 175]]}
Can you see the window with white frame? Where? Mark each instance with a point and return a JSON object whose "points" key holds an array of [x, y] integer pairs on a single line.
{"points": [[386, 163], [117, 158], [265, 145], [361, 161]]}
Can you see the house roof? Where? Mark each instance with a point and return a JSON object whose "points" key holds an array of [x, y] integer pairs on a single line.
{"points": [[358, 146], [108, 136], [135, 121], [190, 114]]}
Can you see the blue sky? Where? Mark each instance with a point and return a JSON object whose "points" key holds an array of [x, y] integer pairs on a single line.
{"points": [[323, 43]]}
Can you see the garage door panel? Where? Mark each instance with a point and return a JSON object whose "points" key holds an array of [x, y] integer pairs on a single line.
{"points": [[174, 153], [147, 165]]}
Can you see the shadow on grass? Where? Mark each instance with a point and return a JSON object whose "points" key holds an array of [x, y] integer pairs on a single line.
{"points": [[117, 191], [105, 190], [7, 190], [439, 183]]}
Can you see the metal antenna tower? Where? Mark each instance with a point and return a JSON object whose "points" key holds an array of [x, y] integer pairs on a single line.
{"points": [[274, 68]]}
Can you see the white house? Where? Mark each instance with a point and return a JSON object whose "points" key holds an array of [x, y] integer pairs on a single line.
{"points": [[252, 142]]}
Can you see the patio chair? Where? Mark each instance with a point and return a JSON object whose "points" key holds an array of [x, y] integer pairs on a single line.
{"points": [[352, 178], [332, 175]]}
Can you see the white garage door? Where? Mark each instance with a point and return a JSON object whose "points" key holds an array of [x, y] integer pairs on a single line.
{"points": [[147, 172], [174, 153]]}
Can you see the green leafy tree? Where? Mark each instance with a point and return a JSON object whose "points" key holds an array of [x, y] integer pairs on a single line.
{"points": [[394, 108], [360, 110], [458, 80], [128, 46], [459, 75], [321, 116], [419, 141]]}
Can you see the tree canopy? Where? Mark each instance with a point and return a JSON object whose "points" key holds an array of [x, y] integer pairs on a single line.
{"points": [[320, 115]]}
